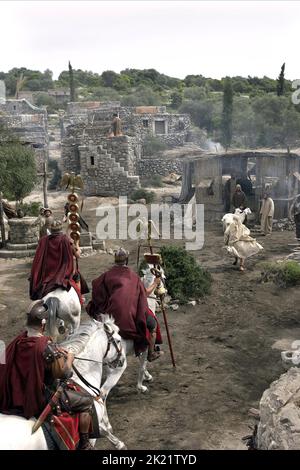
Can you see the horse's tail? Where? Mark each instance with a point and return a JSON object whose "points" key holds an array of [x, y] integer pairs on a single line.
{"points": [[53, 304]]}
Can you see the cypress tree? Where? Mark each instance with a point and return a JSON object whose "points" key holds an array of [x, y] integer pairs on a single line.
{"points": [[227, 113], [280, 81], [71, 83]]}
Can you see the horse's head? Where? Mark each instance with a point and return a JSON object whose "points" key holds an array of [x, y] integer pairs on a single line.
{"points": [[115, 355]]}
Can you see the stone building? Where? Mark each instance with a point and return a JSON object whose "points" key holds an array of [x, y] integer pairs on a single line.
{"points": [[112, 165], [28, 123]]}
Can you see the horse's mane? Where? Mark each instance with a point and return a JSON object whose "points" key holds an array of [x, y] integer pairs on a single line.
{"points": [[78, 340]]}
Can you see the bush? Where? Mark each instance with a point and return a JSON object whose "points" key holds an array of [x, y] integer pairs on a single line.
{"points": [[32, 209], [154, 181], [149, 196], [153, 146], [284, 274], [185, 278], [18, 173]]}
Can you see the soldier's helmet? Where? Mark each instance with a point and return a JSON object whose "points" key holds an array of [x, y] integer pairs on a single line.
{"points": [[56, 226], [121, 256], [37, 313]]}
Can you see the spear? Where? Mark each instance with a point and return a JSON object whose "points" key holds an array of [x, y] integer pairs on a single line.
{"points": [[160, 293]]}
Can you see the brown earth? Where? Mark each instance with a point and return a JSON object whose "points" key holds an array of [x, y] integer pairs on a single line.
{"points": [[227, 350]]}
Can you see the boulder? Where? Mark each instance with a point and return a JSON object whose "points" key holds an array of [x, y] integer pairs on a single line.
{"points": [[279, 426]]}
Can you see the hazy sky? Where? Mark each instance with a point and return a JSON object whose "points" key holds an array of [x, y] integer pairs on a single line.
{"points": [[213, 38]]}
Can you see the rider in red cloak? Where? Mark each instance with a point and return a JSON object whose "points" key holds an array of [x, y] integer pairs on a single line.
{"points": [[33, 369], [55, 265], [120, 293]]}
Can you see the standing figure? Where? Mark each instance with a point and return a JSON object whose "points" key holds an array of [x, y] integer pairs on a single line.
{"points": [[151, 283], [294, 213], [46, 219], [239, 243], [267, 214], [116, 126], [239, 200]]}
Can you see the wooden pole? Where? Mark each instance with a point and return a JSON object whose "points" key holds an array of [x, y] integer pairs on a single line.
{"points": [[161, 297], [2, 226], [45, 185]]}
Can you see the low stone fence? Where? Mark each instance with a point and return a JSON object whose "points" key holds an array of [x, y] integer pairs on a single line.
{"points": [[159, 166]]}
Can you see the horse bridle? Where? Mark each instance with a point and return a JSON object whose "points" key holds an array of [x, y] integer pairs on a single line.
{"points": [[111, 341], [114, 364]]}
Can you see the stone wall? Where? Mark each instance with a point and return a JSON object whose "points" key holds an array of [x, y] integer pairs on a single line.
{"points": [[124, 151], [175, 132], [103, 175], [112, 165], [23, 231], [21, 106], [147, 167]]}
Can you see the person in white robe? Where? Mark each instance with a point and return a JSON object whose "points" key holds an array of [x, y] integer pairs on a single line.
{"points": [[239, 243]]}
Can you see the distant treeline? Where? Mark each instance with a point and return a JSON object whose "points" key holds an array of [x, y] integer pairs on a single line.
{"points": [[259, 116]]}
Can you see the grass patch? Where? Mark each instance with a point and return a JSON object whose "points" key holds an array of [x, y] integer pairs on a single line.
{"points": [[149, 196], [154, 181], [283, 274]]}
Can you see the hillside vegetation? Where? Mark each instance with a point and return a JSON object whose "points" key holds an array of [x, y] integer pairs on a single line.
{"points": [[263, 114]]}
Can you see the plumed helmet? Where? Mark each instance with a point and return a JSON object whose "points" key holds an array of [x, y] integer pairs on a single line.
{"points": [[37, 313], [56, 226], [121, 256]]}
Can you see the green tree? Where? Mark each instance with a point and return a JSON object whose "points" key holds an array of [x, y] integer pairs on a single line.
{"points": [[43, 99], [227, 113], [71, 83], [109, 78], [176, 99], [280, 81], [17, 170]]}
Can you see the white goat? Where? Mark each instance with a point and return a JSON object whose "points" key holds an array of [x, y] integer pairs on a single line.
{"points": [[228, 218]]}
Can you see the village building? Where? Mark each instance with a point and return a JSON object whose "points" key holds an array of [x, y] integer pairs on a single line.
{"points": [[275, 171], [112, 165], [28, 123]]}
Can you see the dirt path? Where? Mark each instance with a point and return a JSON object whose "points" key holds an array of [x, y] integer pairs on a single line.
{"points": [[227, 350]]}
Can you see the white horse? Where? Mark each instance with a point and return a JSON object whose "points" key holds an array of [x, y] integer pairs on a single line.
{"points": [[128, 345], [228, 218], [91, 342], [64, 311]]}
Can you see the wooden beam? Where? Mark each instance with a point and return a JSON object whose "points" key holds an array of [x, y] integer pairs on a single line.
{"points": [[2, 226]]}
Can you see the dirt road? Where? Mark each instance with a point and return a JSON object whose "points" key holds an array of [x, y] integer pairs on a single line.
{"points": [[227, 351]]}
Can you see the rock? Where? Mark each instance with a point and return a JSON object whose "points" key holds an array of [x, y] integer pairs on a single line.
{"points": [[174, 306], [172, 178], [279, 426], [192, 302], [99, 245]]}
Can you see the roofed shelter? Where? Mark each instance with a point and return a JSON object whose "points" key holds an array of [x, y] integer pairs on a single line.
{"points": [[277, 171]]}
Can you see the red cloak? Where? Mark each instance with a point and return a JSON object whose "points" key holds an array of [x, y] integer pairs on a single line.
{"points": [[120, 293], [22, 377], [52, 266]]}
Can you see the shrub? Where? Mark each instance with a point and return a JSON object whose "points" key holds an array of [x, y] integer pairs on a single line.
{"points": [[154, 181], [153, 146], [32, 209], [149, 196], [284, 274], [185, 278]]}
